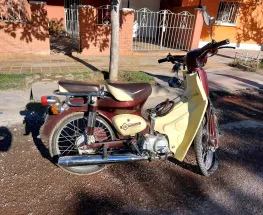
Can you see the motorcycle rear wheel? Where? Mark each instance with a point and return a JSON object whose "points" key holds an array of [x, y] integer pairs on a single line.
{"points": [[64, 136], [206, 157]]}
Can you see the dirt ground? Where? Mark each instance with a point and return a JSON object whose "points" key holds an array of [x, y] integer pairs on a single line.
{"points": [[31, 184]]}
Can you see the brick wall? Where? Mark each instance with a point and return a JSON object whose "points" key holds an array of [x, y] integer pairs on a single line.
{"points": [[15, 8], [26, 37], [95, 39], [126, 31]]}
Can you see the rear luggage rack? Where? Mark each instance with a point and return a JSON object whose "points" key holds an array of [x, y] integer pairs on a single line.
{"points": [[86, 95]]}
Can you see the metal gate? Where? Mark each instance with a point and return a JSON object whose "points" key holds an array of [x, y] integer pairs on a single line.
{"points": [[162, 30], [72, 22]]}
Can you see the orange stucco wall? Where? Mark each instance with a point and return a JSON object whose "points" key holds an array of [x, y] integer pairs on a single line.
{"points": [[249, 24], [56, 12]]}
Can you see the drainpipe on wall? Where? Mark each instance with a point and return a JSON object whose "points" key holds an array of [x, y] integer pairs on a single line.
{"points": [[128, 4]]}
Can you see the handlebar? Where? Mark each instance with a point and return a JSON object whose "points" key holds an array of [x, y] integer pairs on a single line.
{"points": [[221, 43], [209, 47], [173, 58], [227, 47], [162, 60], [212, 46]]}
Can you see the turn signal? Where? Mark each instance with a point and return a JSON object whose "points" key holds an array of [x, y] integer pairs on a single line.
{"points": [[49, 100], [56, 109]]}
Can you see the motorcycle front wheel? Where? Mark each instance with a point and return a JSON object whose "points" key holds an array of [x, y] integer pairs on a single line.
{"points": [[66, 134], [205, 156]]}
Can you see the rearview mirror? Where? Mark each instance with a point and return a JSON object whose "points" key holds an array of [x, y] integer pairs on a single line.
{"points": [[208, 20]]}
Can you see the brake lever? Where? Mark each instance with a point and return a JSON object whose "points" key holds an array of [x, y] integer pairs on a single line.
{"points": [[227, 47]]}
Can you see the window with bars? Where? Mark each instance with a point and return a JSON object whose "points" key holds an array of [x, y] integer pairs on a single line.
{"points": [[103, 15], [227, 13]]}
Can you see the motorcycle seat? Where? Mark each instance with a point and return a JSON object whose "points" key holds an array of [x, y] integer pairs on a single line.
{"points": [[129, 91], [77, 87]]}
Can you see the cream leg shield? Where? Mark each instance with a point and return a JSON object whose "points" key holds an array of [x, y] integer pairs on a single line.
{"points": [[181, 124]]}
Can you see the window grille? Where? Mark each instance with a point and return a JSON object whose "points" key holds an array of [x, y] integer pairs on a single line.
{"points": [[103, 15], [227, 13]]}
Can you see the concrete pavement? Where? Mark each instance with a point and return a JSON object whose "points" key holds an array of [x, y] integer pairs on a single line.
{"points": [[220, 79]]}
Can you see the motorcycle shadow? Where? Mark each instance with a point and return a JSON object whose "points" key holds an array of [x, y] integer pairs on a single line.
{"points": [[6, 139], [188, 164], [34, 117]]}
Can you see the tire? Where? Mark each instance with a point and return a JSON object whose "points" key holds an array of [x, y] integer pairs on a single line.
{"points": [[56, 148], [205, 157]]}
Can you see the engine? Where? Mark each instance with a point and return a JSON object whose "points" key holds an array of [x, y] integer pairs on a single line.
{"points": [[155, 143]]}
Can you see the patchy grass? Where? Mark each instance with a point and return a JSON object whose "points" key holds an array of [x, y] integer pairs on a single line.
{"points": [[24, 81], [14, 81], [132, 76], [250, 66]]}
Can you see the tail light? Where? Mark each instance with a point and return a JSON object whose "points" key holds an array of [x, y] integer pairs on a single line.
{"points": [[49, 100]]}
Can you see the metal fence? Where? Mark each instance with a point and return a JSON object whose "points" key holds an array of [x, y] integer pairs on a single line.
{"points": [[13, 11], [72, 24], [162, 30]]}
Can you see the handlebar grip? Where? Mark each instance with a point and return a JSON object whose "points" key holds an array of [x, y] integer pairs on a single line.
{"points": [[222, 43], [162, 60]]}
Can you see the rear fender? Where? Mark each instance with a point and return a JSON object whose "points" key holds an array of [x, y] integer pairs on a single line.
{"points": [[52, 120]]}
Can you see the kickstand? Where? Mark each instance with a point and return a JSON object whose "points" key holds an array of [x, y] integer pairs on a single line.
{"points": [[105, 152]]}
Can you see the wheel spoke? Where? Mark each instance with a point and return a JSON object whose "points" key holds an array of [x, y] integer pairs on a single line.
{"points": [[68, 138], [74, 129], [68, 149]]}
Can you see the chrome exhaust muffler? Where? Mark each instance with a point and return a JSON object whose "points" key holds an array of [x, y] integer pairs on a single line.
{"points": [[97, 159]]}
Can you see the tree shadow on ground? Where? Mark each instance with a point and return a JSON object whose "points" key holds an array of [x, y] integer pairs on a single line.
{"points": [[246, 81], [88, 65], [34, 117], [6, 139], [89, 204], [225, 56], [61, 44], [93, 205]]}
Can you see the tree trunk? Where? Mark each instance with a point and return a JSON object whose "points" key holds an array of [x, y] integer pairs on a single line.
{"points": [[115, 31]]}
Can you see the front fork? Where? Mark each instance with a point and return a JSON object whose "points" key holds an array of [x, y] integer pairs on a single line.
{"points": [[212, 125]]}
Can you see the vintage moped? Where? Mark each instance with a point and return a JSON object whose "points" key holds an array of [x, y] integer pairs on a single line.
{"points": [[94, 127]]}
